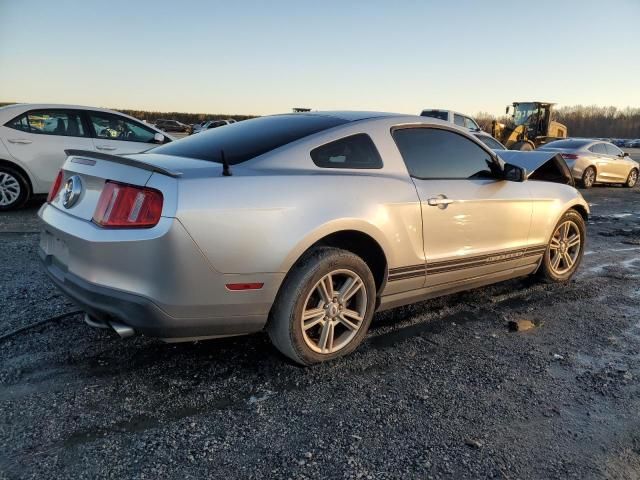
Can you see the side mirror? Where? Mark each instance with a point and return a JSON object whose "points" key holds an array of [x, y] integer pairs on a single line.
{"points": [[513, 173], [158, 138], [625, 154]]}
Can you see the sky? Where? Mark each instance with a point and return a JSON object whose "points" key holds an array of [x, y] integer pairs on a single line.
{"points": [[261, 57]]}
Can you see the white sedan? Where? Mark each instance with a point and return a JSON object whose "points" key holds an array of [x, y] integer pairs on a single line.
{"points": [[34, 137]]}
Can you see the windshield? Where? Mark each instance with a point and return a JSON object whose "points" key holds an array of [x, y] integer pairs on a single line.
{"points": [[525, 113], [440, 114]]}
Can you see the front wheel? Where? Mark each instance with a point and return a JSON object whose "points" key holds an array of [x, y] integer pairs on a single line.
{"points": [[324, 307], [632, 179], [565, 249]]}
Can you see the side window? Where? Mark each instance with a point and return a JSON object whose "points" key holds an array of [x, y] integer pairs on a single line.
{"points": [[458, 120], [598, 148], [50, 122], [468, 123], [612, 150], [20, 123], [356, 151], [113, 127], [431, 153], [490, 142]]}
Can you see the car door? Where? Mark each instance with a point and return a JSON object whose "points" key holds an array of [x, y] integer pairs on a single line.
{"points": [[116, 134], [618, 166], [474, 224], [38, 138], [603, 163]]}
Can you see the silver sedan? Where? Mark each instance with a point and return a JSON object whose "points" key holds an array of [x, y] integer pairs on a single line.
{"points": [[303, 225], [596, 161]]}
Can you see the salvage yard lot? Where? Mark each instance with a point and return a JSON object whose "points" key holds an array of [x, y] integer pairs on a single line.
{"points": [[440, 389]]}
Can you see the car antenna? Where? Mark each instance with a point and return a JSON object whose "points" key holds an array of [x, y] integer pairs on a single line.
{"points": [[226, 170]]}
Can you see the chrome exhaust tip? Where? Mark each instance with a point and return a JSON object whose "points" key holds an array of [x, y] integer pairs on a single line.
{"points": [[93, 322], [123, 330]]}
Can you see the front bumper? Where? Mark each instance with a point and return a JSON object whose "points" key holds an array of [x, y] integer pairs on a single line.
{"points": [[155, 281]]}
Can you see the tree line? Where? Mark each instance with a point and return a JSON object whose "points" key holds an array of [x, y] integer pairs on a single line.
{"points": [[581, 121], [586, 121]]}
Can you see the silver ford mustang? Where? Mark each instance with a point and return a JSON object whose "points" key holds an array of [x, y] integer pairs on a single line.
{"points": [[303, 225]]}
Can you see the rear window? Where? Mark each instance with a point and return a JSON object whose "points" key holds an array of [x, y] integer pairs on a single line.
{"points": [[439, 114], [242, 141]]}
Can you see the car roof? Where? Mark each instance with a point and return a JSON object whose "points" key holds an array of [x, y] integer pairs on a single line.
{"points": [[350, 115]]}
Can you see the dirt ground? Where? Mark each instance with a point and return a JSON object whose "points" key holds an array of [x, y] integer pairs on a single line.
{"points": [[441, 389]]}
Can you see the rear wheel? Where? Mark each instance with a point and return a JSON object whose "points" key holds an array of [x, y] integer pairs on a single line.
{"points": [[324, 307], [632, 179], [565, 249], [14, 189], [588, 177]]}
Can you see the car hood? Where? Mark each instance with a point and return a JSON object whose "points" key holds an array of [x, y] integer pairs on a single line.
{"points": [[530, 161]]}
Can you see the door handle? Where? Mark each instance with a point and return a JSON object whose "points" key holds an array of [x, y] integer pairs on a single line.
{"points": [[22, 141], [105, 147], [441, 201]]}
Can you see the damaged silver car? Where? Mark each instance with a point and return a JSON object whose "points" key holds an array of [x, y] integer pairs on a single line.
{"points": [[303, 225]]}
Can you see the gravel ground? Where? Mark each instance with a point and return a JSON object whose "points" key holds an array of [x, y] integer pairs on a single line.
{"points": [[441, 389]]}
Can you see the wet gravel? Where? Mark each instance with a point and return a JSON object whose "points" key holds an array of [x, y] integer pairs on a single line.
{"points": [[442, 389]]}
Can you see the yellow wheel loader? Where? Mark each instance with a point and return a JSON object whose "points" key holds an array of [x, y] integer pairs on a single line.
{"points": [[531, 125]]}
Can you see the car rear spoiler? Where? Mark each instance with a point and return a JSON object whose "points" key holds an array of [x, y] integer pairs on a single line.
{"points": [[90, 155]]}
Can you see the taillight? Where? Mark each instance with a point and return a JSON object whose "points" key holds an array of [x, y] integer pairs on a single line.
{"points": [[569, 156], [127, 206], [55, 188]]}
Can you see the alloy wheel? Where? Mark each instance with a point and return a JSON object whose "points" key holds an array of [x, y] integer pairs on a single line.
{"points": [[564, 247], [589, 177], [334, 311], [633, 178], [9, 189]]}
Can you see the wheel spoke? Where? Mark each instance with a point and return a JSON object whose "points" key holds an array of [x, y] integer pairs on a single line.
{"points": [[347, 312], [567, 260], [326, 337], [346, 322], [555, 261], [312, 317], [349, 289], [555, 243], [326, 288], [573, 240]]}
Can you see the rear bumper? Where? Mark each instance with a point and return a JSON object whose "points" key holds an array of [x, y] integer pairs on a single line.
{"points": [[141, 314], [155, 281]]}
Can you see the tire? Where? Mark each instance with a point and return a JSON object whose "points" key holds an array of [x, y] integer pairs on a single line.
{"points": [[561, 244], [522, 146], [588, 177], [302, 291], [632, 179], [14, 189]]}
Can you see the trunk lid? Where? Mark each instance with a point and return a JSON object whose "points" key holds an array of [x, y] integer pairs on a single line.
{"points": [[85, 174]]}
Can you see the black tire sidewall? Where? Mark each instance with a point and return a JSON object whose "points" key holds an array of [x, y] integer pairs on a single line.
{"points": [[546, 270], [285, 328], [25, 191]]}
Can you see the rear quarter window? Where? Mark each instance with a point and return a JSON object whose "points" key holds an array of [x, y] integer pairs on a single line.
{"points": [[355, 151]]}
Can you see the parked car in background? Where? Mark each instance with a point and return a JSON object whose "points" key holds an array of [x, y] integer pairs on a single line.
{"points": [[213, 124], [489, 141], [307, 223], [619, 142], [594, 161], [172, 126], [34, 137], [450, 116], [632, 143]]}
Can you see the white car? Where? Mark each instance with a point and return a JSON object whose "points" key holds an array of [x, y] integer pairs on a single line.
{"points": [[212, 124], [34, 137], [459, 119]]}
